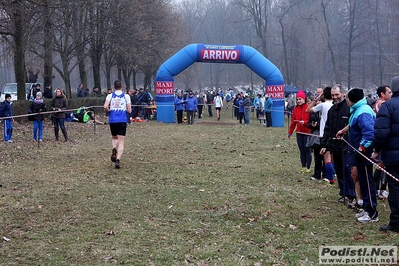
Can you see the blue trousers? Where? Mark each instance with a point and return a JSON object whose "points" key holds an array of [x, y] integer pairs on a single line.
{"points": [[246, 115], [7, 129], [37, 126]]}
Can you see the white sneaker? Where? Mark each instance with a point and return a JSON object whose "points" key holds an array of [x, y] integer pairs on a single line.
{"points": [[366, 219], [326, 179], [385, 194], [360, 214]]}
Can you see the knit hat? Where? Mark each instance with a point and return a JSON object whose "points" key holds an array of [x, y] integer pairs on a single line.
{"points": [[355, 95], [301, 94], [7, 96], [395, 84], [39, 94]]}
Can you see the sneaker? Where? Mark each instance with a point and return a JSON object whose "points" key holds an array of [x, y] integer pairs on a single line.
{"points": [[8, 141], [117, 164], [356, 208], [307, 170], [382, 194], [366, 219], [331, 183], [342, 200], [352, 203], [40, 140], [389, 227], [326, 179], [314, 178], [303, 169], [360, 214], [113, 156]]}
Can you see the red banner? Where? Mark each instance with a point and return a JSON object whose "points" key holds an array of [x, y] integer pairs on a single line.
{"points": [[164, 87], [276, 91]]}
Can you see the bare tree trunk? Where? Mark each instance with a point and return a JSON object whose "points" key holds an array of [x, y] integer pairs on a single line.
{"points": [[330, 47], [19, 53], [48, 46]]}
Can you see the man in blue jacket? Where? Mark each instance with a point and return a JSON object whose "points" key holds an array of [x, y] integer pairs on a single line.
{"points": [[386, 138], [361, 136], [268, 110], [191, 107], [179, 107]]}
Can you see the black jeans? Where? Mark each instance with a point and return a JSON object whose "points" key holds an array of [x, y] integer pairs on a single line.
{"points": [[393, 198], [318, 164], [210, 109], [199, 107], [305, 153], [179, 116], [268, 119], [343, 171]]}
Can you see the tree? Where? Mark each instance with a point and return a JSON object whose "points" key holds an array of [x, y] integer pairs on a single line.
{"points": [[16, 16]]}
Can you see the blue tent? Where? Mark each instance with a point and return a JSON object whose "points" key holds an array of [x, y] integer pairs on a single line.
{"points": [[288, 89]]}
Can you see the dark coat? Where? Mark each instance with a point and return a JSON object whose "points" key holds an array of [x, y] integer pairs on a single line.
{"points": [[386, 131], [337, 119], [37, 107], [60, 102], [6, 109]]}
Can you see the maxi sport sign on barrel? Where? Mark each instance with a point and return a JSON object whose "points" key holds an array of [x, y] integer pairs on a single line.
{"points": [[214, 53]]}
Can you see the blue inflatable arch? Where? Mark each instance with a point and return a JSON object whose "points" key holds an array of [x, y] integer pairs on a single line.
{"points": [[238, 54]]}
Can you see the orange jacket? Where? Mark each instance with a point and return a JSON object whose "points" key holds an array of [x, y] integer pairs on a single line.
{"points": [[298, 115]]}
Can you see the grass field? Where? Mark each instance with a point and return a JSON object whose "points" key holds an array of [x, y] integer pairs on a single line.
{"points": [[212, 193]]}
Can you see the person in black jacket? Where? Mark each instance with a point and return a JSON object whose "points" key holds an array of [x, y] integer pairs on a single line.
{"points": [[386, 142], [38, 106], [338, 118]]}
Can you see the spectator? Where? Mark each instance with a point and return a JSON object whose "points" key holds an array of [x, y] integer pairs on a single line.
{"points": [[337, 118], [209, 101], [191, 106], [246, 103], [299, 121], [201, 102], [387, 144], [35, 90], [384, 94], [323, 108], [240, 108], [59, 104], [79, 91], [290, 105], [268, 110], [38, 106], [179, 107], [48, 93], [96, 92], [6, 111], [361, 136]]}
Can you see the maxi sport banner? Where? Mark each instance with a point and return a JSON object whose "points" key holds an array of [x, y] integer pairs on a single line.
{"points": [[217, 53]]}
